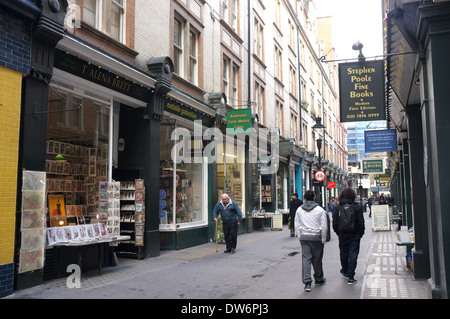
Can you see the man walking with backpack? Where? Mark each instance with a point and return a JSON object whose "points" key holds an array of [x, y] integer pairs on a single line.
{"points": [[311, 228], [349, 225]]}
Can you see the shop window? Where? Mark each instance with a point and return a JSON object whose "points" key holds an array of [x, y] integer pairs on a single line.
{"points": [[231, 172], [183, 186], [77, 153]]}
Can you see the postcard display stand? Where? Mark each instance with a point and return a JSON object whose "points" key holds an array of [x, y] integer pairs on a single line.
{"points": [[106, 227], [132, 218], [33, 223]]}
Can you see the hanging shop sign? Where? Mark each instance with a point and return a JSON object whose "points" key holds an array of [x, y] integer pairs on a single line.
{"points": [[380, 141], [99, 75], [239, 121], [331, 185], [361, 89], [372, 166]]}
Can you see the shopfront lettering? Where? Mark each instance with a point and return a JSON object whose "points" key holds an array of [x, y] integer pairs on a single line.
{"points": [[99, 75], [106, 78]]}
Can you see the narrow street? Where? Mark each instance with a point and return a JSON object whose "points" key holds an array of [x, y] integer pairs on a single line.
{"points": [[266, 265]]}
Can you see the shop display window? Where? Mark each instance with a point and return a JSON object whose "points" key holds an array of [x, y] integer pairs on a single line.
{"points": [[231, 172], [183, 186], [78, 134]]}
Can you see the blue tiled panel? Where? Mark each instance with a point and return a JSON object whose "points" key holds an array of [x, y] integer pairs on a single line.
{"points": [[6, 279]]}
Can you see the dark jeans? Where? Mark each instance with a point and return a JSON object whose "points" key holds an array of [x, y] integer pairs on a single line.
{"points": [[312, 255], [230, 234], [349, 251]]}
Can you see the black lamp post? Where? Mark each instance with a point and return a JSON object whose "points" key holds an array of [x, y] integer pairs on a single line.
{"points": [[358, 47], [318, 126]]}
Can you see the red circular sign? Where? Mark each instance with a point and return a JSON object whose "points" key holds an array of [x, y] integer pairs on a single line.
{"points": [[319, 176]]}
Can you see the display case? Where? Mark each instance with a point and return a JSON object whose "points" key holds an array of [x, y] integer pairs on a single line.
{"points": [[132, 218]]}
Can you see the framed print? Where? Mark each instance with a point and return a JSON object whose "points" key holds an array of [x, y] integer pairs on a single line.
{"points": [[31, 260], [59, 234], [56, 205], [33, 219], [34, 181], [82, 230], [33, 200], [102, 229], [51, 236], [32, 239]]}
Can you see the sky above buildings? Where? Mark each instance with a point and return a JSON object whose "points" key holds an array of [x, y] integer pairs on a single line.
{"points": [[353, 21]]}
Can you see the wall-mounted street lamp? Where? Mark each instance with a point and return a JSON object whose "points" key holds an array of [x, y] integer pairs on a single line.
{"points": [[358, 47], [317, 127]]}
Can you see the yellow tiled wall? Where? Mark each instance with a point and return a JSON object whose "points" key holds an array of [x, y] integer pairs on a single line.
{"points": [[10, 95]]}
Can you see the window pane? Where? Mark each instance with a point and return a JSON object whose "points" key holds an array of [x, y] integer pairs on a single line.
{"points": [[90, 12]]}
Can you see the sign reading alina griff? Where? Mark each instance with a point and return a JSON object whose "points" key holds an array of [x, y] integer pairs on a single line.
{"points": [[361, 90]]}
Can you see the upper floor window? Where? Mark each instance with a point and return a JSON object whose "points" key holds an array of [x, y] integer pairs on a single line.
{"points": [[230, 76], [230, 13], [185, 50], [193, 52], [259, 105], [258, 41], [278, 63], [107, 16], [292, 81]]}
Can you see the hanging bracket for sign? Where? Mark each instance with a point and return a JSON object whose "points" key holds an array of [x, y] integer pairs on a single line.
{"points": [[322, 58]]}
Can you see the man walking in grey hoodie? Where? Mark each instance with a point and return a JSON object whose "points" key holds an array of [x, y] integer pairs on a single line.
{"points": [[311, 228]]}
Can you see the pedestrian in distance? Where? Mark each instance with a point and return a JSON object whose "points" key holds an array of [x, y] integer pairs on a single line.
{"points": [[370, 203], [311, 229], [231, 218], [348, 224], [293, 206]]}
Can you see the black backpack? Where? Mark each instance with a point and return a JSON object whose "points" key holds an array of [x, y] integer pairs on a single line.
{"points": [[347, 219]]}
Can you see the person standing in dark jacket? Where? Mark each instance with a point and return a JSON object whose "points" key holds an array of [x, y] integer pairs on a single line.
{"points": [[349, 242], [294, 205], [231, 218]]}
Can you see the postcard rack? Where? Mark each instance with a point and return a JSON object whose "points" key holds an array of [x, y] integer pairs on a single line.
{"points": [[132, 218]]}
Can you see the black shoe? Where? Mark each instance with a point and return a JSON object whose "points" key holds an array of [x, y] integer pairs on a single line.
{"points": [[308, 287], [343, 274], [227, 251], [232, 250], [351, 281], [320, 282]]}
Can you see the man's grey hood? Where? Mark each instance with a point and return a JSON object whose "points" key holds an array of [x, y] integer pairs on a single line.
{"points": [[309, 205]]}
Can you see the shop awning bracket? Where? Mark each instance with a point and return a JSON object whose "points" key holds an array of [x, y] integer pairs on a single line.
{"points": [[77, 107]]}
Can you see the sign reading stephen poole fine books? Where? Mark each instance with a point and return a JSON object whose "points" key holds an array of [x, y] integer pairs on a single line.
{"points": [[361, 88]]}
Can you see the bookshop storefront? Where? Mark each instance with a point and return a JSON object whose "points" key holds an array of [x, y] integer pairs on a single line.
{"points": [[93, 203], [94, 208], [184, 187]]}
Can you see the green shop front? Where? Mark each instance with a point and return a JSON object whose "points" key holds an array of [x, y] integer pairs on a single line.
{"points": [[185, 189]]}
